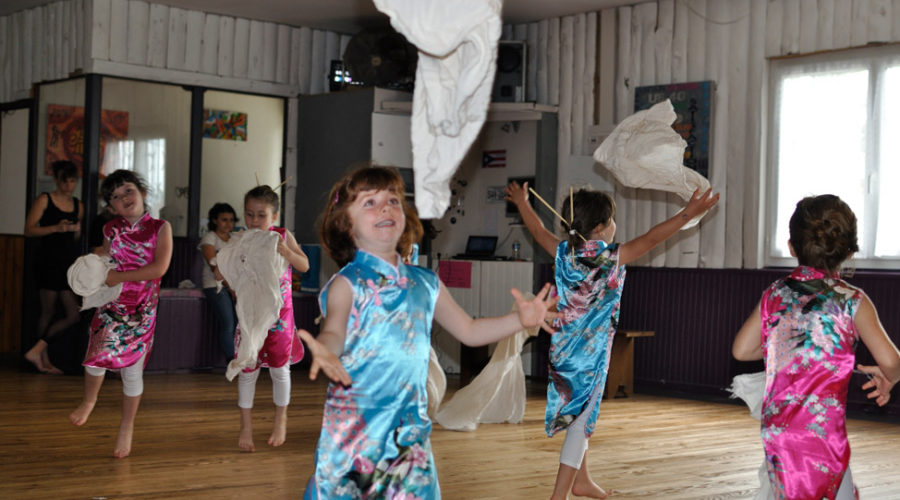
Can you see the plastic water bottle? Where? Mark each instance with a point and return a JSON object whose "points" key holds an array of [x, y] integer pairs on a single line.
{"points": [[515, 250]]}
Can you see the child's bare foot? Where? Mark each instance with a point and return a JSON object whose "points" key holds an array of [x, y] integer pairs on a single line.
{"points": [[45, 360], [245, 439], [81, 414], [36, 359], [589, 489], [123, 443], [279, 428]]}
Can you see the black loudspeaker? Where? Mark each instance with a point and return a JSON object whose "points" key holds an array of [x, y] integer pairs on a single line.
{"points": [[509, 83]]}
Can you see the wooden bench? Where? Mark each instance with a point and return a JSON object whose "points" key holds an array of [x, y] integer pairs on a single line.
{"points": [[620, 379]]}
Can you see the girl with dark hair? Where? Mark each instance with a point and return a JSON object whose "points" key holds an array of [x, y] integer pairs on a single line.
{"points": [[590, 275], [55, 218], [121, 333], [221, 224], [376, 335], [806, 328]]}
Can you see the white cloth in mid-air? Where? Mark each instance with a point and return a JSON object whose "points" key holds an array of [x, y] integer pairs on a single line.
{"points": [[496, 395], [644, 151], [251, 264], [457, 44], [87, 278]]}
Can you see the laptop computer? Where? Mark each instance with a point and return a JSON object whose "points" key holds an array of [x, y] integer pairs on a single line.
{"points": [[479, 248]]}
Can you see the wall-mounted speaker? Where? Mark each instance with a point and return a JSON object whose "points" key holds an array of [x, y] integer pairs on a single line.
{"points": [[509, 83]]}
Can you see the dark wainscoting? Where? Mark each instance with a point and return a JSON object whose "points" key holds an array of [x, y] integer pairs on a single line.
{"points": [[187, 263], [12, 263], [185, 337], [696, 313]]}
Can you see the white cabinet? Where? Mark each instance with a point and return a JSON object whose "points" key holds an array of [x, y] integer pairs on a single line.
{"points": [[487, 294]]}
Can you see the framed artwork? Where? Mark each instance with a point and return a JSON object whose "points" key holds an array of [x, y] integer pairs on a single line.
{"points": [[227, 125], [65, 134], [693, 103]]}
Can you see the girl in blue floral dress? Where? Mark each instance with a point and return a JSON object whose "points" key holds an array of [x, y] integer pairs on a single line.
{"points": [[375, 341], [590, 274]]}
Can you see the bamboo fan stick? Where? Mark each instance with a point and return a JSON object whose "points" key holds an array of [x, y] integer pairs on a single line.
{"points": [[532, 191]]}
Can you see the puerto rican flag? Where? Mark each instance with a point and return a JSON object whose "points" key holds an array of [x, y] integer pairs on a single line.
{"points": [[495, 158]]}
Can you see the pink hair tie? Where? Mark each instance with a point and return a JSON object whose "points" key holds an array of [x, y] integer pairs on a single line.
{"points": [[336, 197]]}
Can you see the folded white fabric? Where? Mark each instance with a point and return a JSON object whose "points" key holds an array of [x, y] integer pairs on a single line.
{"points": [[751, 388], [457, 42], [87, 278], [644, 151], [253, 267], [496, 395], [437, 384]]}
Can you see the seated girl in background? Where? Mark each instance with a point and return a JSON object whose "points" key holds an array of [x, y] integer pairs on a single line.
{"points": [[221, 223]]}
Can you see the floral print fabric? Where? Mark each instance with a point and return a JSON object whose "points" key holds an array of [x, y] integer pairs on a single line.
{"points": [[375, 439], [589, 282], [808, 340], [122, 330]]}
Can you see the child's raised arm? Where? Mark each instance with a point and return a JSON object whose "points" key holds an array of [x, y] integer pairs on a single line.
{"points": [[153, 270], [518, 195], [328, 346], [887, 373], [483, 331], [293, 253], [636, 248], [748, 342]]}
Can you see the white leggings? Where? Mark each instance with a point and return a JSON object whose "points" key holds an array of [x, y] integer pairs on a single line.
{"points": [[281, 386], [132, 377], [576, 442]]}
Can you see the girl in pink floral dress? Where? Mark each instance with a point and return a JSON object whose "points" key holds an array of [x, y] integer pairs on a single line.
{"points": [[121, 333], [282, 347], [806, 328]]}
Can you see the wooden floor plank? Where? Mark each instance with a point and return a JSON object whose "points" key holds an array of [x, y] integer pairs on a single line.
{"points": [[185, 446]]}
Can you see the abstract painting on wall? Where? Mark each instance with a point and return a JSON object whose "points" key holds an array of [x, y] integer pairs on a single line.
{"points": [[228, 125], [65, 134]]}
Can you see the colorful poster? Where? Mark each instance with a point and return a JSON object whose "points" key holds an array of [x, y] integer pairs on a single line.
{"points": [[65, 134], [228, 125], [693, 104]]}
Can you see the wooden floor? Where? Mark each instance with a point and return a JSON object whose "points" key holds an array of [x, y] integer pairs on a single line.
{"points": [[185, 446]]}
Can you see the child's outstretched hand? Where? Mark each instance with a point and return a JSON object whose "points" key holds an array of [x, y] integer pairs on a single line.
{"points": [[539, 311], [881, 386], [325, 360], [700, 203], [517, 194]]}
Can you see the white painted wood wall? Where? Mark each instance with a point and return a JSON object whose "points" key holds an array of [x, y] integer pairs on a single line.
{"points": [[138, 39], [670, 41], [615, 50]]}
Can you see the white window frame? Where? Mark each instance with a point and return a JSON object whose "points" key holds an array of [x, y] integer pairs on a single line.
{"points": [[876, 60]]}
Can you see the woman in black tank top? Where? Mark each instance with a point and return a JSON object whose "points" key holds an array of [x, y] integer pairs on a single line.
{"points": [[55, 218]]}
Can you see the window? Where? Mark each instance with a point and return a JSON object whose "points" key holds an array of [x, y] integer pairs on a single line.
{"points": [[835, 124]]}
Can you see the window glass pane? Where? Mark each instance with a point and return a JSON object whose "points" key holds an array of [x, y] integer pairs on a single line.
{"points": [[821, 144], [60, 131], [146, 128], [887, 242], [242, 144]]}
